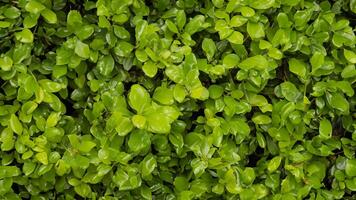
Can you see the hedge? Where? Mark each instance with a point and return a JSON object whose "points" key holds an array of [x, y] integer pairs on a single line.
{"points": [[177, 99]]}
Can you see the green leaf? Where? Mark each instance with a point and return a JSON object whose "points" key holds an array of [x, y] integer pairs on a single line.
{"points": [[247, 11], [176, 74], [50, 86], [52, 119], [236, 38], [291, 2], [127, 179], [6, 63], [5, 24], [42, 158], [159, 120], [5, 185], [34, 7], [29, 107], [350, 56], [123, 48], [301, 17], [123, 126], [255, 30], [290, 92], [345, 87], [218, 3], [121, 32], [209, 48], [283, 20], [148, 164], [106, 65], [163, 95], [261, 119], [24, 36], [83, 190], [198, 166], [150, 69], [139, 140], [31, 85], [82, 49], [28, 167], [200, 93], [350, 167], [139, 121], [274, 164], [317, 60], [179, 93], [74, 19], [181, 183], [9, 171], [338, 102], [298, 67], [21, 52], [196, 24], [62, 167], [351, 184], [54, 134], [30, 20], [262, 4], [139, 98], [231, 60], [84, 32], [275, 53], [258, 100], [141, 55], [12, 12], [171, 26], [181, 19], [49, 16], [63, 56], [237, 21], [243, 128], [7, 139], [231, 182], [15, 124], [215, 91], [353, 6], [255, 62], [325, 129], [104, 22], [86, 146], [248, 175]]}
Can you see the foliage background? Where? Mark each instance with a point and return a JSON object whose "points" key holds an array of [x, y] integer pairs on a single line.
{"points": [[187, 99]]}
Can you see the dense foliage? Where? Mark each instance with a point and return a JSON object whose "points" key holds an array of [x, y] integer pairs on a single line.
{"points": [[186, 99]]}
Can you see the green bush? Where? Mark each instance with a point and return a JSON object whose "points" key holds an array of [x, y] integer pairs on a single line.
{"points": [[186, 99]]}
